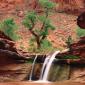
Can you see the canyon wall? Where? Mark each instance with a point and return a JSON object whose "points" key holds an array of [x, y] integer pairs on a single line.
{"points": [[63, 4]]}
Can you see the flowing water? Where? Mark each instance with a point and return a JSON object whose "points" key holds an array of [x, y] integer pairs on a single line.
{"points": [[48, 66], [45, 69], [33, 65]]}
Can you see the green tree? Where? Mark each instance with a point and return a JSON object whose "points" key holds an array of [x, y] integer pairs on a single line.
{"points": [[9, 28], [33, 17]]}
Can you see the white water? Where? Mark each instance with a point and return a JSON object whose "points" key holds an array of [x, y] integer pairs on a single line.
{"points": [[48, 66], [45, 69], [33, 65]]}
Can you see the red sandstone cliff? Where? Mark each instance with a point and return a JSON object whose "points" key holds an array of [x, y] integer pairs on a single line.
{"points": [[66, 5]]}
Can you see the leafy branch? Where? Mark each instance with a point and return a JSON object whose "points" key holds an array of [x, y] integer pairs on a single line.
{"points": [[32, 18]]}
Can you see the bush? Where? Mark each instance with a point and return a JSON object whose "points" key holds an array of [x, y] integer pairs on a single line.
{"points": [[80, 32], [9, 28], [46, 46]]}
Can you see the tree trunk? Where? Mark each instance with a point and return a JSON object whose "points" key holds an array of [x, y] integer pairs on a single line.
{"points": [[38, 42]]}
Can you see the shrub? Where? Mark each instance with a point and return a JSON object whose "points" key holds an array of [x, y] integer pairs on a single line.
{"points": [[9, 28], [80, 32], [46, 46]]}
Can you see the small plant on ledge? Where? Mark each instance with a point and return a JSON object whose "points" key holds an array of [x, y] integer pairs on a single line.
{"points": [[41, 32], [71, 57], [69, 42]]}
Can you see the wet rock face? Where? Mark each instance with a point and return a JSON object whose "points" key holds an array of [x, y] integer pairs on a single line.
{"points": [[37, 72], [59, 72]]}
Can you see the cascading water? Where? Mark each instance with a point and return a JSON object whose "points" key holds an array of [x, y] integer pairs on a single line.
{"points": [[47, 65], [33, 65], [45, 69]]}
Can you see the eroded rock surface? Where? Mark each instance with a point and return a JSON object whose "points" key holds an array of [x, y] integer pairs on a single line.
{"points": [[14, 72], [11, 66], [79, 48], [78, 73]]}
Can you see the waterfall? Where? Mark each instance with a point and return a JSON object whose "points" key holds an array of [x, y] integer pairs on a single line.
{"points": [[45, 68], [47, 65], [33, 65]]}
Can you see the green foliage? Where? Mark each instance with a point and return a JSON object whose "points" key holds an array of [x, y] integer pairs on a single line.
{"points": [[30, 19], [42, 18], [30, 61], [9, 28], [46, 46], [21, 47], [69, 41], [47, 25], [46, 4], [32, 44], [70, 57], [39, 34], [80, 32]]}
